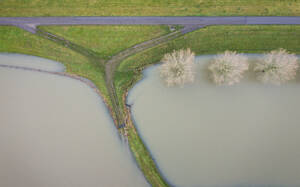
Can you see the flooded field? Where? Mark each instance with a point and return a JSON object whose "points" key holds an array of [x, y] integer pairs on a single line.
{"points": [[207, 135], [55, 131]]}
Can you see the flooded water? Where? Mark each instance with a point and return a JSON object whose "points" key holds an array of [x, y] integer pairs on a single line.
{"points": [[30, 62], [56, 132], [206, 135]]}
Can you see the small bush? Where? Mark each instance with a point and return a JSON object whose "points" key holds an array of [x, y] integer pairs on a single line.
{"points": [[178, 67], [228, 68], [277, 67]]}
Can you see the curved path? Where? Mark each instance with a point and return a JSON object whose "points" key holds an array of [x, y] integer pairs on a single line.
{"points": [[30, 23]]}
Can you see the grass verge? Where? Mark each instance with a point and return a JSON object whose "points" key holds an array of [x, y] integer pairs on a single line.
{"points": [[149, 7]]}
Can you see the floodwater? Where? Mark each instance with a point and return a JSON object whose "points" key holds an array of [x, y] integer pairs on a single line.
{"points": [[30, 62], [207, 135], [56, 132]]}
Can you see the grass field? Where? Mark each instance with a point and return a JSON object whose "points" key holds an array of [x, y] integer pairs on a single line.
{"points": [[149, 7], [107, 40]]}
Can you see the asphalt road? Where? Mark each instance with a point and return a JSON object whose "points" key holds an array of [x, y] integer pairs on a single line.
{"points": [[30, 23]]}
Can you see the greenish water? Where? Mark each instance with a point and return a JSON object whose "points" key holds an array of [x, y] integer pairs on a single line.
{"points": [[207, 135], [56, 132]]}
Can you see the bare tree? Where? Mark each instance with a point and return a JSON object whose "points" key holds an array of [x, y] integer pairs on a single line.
{"points": [[228, 68], [178, 67], [277, 67]]}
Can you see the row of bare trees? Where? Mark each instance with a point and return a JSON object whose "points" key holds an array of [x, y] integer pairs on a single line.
{"points": [[275, 67]]}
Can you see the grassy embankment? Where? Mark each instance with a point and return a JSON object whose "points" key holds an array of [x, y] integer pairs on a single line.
{"points": [[149, 8], [210, 40]]}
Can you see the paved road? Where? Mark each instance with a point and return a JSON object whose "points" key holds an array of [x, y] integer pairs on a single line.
{"points": [[30, 23]]}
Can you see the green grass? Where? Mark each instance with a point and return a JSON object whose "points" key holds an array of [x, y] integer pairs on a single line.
{"points": [[149, 7], [107, 40], [15, 40]]}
